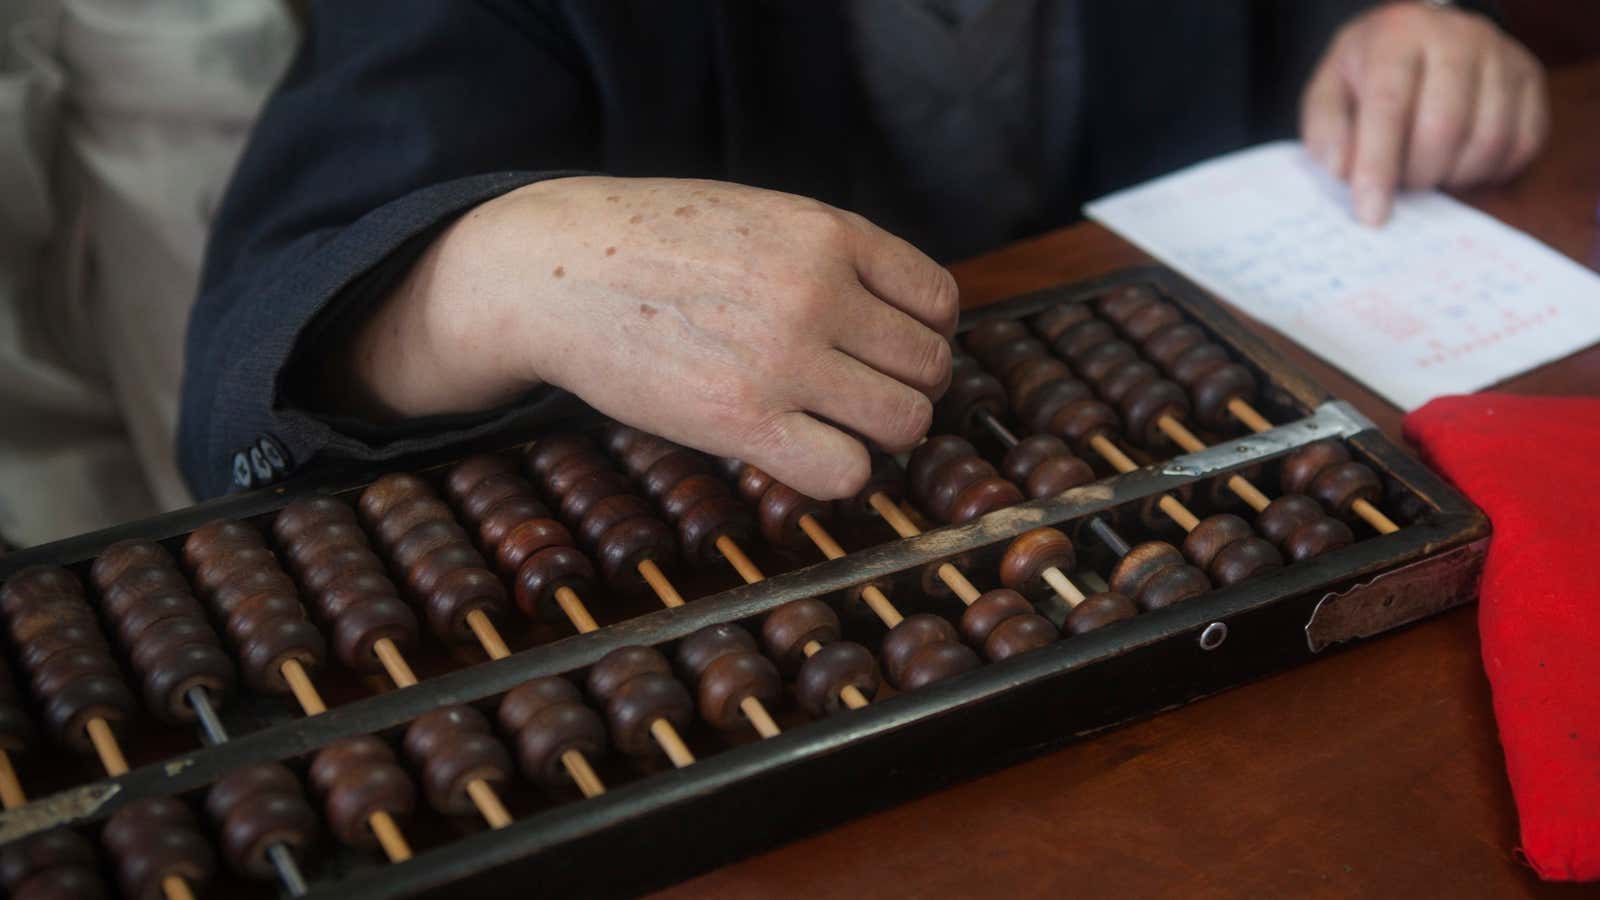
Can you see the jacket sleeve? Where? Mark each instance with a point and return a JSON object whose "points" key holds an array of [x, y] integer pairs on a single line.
{"points": [[394, 119]]}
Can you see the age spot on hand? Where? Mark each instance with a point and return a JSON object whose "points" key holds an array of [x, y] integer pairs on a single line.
{"points": [[743, 230], [635, 219], [560, 272], [611, 251], [647, 310], [614, 198], [685, 211]]}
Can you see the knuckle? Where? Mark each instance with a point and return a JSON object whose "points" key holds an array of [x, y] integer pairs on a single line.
{"points": [[933, 365], [944, 300], [846, 474], [906, 421]]}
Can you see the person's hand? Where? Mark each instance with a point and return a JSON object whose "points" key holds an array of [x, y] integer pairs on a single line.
{"points": [[1416, 96], [742, 322]]}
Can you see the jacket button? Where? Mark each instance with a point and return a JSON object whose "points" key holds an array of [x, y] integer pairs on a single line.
{"points": [[243, 477], [273, 452]]}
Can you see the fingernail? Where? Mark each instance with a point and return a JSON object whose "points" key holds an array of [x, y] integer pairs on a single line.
{"points": [[1372, 205]]}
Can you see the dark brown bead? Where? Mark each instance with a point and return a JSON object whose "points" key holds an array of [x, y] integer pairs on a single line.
{"points": [[782, 508], [931, 456], [788, 629], [212, 536], [550, 733], [423, 539], [319, 536], [1047, 400], [972, 391], [1216, 389], [1129, 575], [381, 497], [1057, 319], [1202, 544], [1340, 485], [579, 467], [1006, 357], [885, 478], [1019, 634], [700, 649], [255, 806], [610, 512], [983, 498], [1286, 514], [914, 632], [423, 578], [1097, 611], [408, 514], [337, 564], [504, 517], [712, 518], [1121, 302], [1313, 539], [274, 642], [824, 674], [1149, 319], [1020, 460], [1243, 559], [1166, 345], [950, 481], [936, 662], [548, 453], [138, 584], [597, 486], [544, 572], [1080, 421], [528, 538], [646, 452], [670, 470], [690, 492], [990, 609], [357, 778], [638, 703], [54, 865], [729, 680], [611, 671], [87, 694], [362, 625], [751, 483], [1097, 364], [629, 543], [1083, 337], [116, 558], [1026, 559], [525, 701], [1030, 375], [1121, 381], [1197, 362], [1301, 467], [1145, 406], [218, 568], [1174, 584], [239, 589], [453, 747], [493, 491], [466, 475], [1058, 475], [179, 666], [155, 839], [991, 333], [1152, 517]]}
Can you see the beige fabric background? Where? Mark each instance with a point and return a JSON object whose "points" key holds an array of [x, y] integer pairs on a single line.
{"points": [[120, 121]]}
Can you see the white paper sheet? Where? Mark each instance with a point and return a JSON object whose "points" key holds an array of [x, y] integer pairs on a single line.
{"points": [[1441, 300]]}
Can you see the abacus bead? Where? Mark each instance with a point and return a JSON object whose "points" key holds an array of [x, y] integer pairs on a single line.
{"points": [[666, 473], [1316, 538], [1027, 378], [1080, 421], [1097, 611], [1144, 560], [1100, 362], [639, 702], [931, 456], [610, 511], [55, 865], [1023, 565], [1019, 634], [700, 649], [1208, 538], [1119, 303], [1028, 453], [424, 539], [491, 492], [155, 839], [972, 391], [1197, 362], [885, 478], [690, 492], [246, 585], [952, 478], [914, 632], [576, 502], [263, 653], [140, 582], [524, 702], [408, 514], [828, 671], [543, 573], [1166, 345], [256, 806], [1047, 400], [1285, 514], [382, 496], [782, 508], [1145, 406], [1083, 337], [1057, 475], [212, 536], [1120, 383], [460, 593], [990, 609], [1340, 485], [1215, 389], [788, 629], [363, 625], [936, 662], [183, 667], [616, 668], [629, 543], [528, 538], [88, 696], [1006, 358], [1173, 584], [116, 558], [550, 452], [452, 746], [1243, 559], [552, 731], [1301, 467], [1148, 319], [983, 498], [1053, 321], [647, 452], [991, 333], [731, 678], [358, 777], [475, 470], [501, 520], [751, 483], [710, 519]]}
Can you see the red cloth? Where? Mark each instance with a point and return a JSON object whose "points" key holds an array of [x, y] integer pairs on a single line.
{"points": [[1533, 464]]}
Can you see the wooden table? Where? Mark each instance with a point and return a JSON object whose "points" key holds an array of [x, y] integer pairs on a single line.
{"points": [[1374, 772]]}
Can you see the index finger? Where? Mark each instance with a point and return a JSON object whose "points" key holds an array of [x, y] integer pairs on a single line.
{"points": [[1384, 100], [904, 277]]}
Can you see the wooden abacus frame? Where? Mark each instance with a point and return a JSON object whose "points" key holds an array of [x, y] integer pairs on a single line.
{"points": [[880, 754]]}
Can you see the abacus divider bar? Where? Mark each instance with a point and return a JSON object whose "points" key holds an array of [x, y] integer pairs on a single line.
{"points": [[1256, 422], [582, 774], [11, 793], [488, 636], [997, 428], [1108, 536], [870, 594], [1169, 504], [903, 526], [1186, 440], [213, 733]]}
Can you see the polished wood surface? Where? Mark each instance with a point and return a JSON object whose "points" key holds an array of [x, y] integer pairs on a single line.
{"points": [[1374, 772]]}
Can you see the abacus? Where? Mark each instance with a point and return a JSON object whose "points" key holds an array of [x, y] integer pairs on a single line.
{"points": [[599, 661]]}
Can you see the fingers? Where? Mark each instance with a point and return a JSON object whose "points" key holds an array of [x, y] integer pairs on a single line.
{"points": [[1493, 129], [1326, 118], [895, 344], [1533, 126], [842, 389], [905, 278], [1444, 117], [812, 457], [1386, 95]]}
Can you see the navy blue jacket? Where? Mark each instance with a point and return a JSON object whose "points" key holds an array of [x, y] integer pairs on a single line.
{"points": [[398, 116]]}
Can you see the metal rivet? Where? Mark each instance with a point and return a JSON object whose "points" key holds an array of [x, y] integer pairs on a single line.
{"points": [[1213, 636]]}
